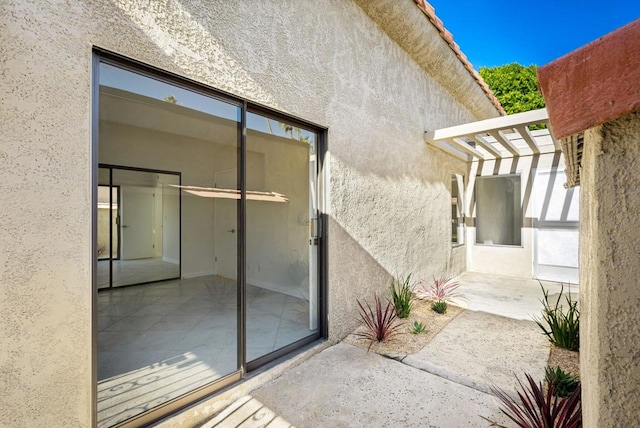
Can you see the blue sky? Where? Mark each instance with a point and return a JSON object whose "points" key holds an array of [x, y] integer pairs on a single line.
{"points": [[496, 32]]}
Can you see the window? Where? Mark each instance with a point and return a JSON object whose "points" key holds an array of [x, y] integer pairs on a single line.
{"points": [[498, 210], [457, 209]]}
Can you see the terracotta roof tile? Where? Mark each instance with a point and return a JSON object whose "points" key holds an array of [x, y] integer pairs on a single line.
{"points": [[430, 13], [594, 84]]}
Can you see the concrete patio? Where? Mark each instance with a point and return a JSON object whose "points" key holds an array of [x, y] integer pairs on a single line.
{"points": [[445, 384]]}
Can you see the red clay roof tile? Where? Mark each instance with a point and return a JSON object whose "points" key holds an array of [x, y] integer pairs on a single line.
{"points": [[594, 84]]}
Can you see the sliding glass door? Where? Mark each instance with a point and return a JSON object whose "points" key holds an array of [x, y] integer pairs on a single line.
{"points": [[207, 240], [282, 226], [168, 318]]}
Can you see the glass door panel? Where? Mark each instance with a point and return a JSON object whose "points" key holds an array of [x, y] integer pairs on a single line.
{"points": [[173, 156], [281, 235]]}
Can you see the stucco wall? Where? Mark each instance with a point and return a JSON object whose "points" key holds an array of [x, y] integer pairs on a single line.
{"points": [[324, 61], [609, 274]]}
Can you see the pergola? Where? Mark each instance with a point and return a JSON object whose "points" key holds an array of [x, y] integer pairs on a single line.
{"points": [[497, 138]]}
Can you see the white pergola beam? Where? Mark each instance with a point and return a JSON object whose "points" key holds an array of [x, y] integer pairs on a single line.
{"points": [[528, 138], [494, 124], [447, 148], [485, 145], [461, 145], [502, 139]]}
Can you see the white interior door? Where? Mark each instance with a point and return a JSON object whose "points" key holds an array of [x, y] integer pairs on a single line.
{"points": [[226, 228], [136, 222]]}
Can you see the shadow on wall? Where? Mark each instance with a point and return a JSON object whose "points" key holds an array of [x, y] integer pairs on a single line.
{"points": [[354, 274], [402, 221], [532, 215]]}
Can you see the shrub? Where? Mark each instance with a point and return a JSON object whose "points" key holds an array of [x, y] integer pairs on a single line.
{"points": [[379, 323], [440, 306], [536, 409], [444, 288], [564, 384], [401, 295], [561, 326], [418, 328]]}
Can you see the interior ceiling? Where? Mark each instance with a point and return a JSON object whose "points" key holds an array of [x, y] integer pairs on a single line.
{"points": [[126, 108]]}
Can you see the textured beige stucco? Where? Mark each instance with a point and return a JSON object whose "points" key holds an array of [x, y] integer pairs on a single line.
{"points": [[609, 274], [407, 26], [326, 62]]}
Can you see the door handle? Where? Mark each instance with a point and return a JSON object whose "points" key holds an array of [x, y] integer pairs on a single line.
{"points": [[123, 226], [231, 230]]}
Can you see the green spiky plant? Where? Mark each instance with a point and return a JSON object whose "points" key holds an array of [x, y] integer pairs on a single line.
{"points": [[533, 408], [440, 306], [564, 383], [380, 324], [418, 328], [402, 295], [561, 326]]}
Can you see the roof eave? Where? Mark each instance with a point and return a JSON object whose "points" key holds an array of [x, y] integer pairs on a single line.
{"points": [[431, 46]]}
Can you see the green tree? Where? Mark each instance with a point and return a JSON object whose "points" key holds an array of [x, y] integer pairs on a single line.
{"points": [[171, 99], [515, 86]]}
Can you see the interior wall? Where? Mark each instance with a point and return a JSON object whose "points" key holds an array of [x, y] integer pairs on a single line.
{"points": [[145, 148], [277, 233]]}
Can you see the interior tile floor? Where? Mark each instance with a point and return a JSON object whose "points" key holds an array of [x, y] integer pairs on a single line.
{"points": [[159, 341], [127, 272]]}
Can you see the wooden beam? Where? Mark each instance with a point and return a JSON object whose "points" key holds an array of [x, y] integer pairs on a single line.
{"points": [[528, 138], [486, 145], [502, 139]]}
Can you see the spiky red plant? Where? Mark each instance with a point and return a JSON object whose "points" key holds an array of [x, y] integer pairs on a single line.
{"points": [[536, 409], [441, 289], [379, 323]]}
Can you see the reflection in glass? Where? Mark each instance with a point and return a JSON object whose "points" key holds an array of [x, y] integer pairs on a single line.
{"points": [[457, 212], [142, 228], [498, 210], [164, 339], [281, 241], [107, 222]]}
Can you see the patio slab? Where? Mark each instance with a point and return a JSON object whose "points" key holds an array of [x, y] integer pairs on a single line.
{"points": [[479, 349], [444, 384], [517, 298], [344, 386]]}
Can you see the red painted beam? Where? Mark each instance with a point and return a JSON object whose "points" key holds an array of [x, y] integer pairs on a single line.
{"points": [[594, 84]]}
